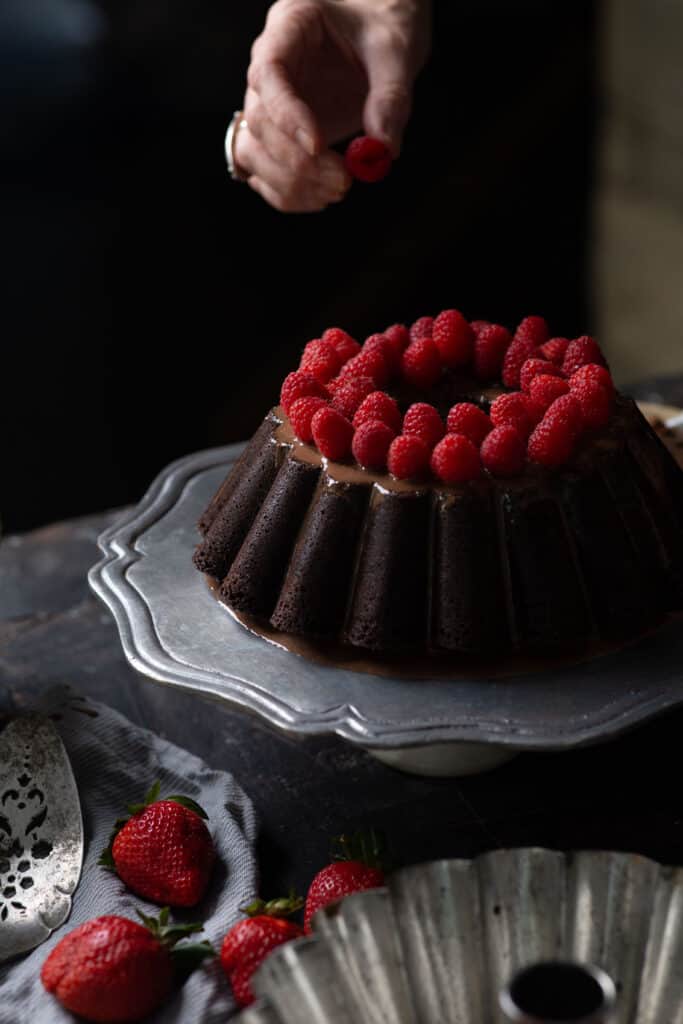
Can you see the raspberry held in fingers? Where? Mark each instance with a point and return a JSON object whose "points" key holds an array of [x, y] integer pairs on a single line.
{"points": [[367, 159]]}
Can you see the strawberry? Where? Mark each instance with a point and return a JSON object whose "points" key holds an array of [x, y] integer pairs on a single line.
{"points": [[164, 851], [114, 969], [356, 867], [251, 940]]}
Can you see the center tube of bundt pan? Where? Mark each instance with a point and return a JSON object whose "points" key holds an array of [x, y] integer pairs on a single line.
{"points": [[558, 992]]}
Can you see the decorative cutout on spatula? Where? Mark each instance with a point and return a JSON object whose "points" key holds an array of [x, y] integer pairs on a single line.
{"points": [[41, 834]]}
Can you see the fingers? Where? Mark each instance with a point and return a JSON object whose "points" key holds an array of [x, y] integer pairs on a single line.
{"points": [[328, 167], [389, 100], [275, 54], [284, 175], [280, 202]]}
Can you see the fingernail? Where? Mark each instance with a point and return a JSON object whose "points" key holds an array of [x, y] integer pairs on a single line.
{"points": [[333, 179], [391, 138], [305, 141]]}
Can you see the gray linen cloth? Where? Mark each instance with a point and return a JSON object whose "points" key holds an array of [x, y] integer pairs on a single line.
{"points": [[115, 763]]}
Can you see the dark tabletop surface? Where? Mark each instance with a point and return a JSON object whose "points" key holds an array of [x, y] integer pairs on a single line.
{"points": [[621, 795]]}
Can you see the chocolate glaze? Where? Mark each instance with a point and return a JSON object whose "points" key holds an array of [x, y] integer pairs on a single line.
{"points": [[348, 566], [446, 666]]}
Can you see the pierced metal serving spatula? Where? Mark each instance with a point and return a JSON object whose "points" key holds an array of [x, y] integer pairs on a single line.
{"points": [[41, 834]]}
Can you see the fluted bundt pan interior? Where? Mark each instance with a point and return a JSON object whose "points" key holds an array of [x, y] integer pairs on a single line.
{"points": [[589, 553], [439, 943]]}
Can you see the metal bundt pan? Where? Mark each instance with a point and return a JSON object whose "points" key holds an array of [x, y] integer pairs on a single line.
{"points": [[440, 942], [175, 632]]}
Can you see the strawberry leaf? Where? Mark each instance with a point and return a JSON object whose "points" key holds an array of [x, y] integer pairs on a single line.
{"points": [[192, 805], [281, 907], [188, 957], [151, 797], [165, 931], [370, 848], [149, 922], [254, 908], [106, 858]]}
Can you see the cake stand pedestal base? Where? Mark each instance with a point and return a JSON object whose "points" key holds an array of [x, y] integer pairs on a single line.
{"points": [[445, 760]]}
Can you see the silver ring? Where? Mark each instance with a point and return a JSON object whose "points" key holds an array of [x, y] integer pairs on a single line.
{"points": [[237, 121]]}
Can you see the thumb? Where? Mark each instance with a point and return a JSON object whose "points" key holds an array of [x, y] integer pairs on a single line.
{"points": [[389, 101]]}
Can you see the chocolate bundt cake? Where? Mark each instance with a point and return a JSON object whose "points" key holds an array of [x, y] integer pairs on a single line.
{"points": [[542, 523]]}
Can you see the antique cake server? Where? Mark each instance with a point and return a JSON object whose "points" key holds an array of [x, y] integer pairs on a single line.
{"points": [[41, 834]]}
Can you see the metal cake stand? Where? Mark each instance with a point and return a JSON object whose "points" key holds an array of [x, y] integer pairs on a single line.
{"points": [[175, 632]]}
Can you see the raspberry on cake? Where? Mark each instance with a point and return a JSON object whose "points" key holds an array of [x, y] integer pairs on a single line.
{"points": [[421, 364], [422, 420], [566, 410], [517, 410], [548, 517], [490, 347], [455, 460], [349, 393], [422, 328], [503, 451], [453, 337], [398, 337], [594, 400], [301, 414], [368, 363], [321, 359], [388, 352], [545, 388], [532, 328], [551, 442], [408, 457], [554, 350], [468, 419], [579, 352], [378, 406], [298, 385], [345, 346], [371, 442], [332, 433], [533, 367], [592, 373], [531, 332]]}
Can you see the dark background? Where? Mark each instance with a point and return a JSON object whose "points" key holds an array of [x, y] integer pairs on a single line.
{"points": [[151, 306]]}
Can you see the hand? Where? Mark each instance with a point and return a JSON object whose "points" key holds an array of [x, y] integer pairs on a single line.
{"points": [[323, 70]]}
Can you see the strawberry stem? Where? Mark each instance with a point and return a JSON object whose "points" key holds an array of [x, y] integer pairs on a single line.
{"points": [[165, 931], [150, 798], [284, 906], [192, 805], [370, 848], [186, 957]]}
